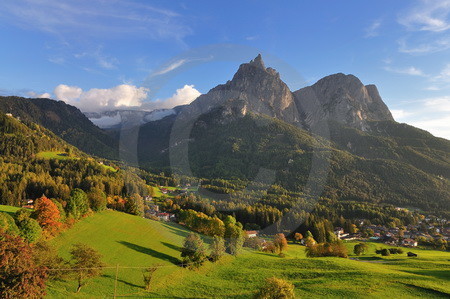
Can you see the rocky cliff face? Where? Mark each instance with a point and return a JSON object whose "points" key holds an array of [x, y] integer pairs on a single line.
{"points": [[344, 99], [253, 88]]}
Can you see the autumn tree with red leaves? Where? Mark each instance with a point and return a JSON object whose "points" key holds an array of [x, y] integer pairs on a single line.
{"points": [[20, 277], [48, 215]]}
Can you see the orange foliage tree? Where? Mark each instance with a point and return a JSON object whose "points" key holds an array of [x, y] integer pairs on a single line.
{"points": [[48, 215], [20, 277]]}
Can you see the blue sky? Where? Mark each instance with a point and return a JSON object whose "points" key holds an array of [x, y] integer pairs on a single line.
{"points": [[100, 54]]}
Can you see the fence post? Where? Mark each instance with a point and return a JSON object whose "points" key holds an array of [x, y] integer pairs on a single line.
{"points": [[115, 281]]}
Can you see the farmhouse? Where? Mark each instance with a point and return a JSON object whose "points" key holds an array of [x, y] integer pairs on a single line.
{"points": [[163, 216], [251, 233], [409, 242]]}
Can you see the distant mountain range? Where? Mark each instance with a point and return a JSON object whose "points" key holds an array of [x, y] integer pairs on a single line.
{"points": [[254, 121]]}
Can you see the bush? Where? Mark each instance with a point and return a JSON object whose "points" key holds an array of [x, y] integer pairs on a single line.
{"points": [[276, 288], [8, 224], [22, 214], [385, 252], [269, 247], [254, 243], [360, 249], [30, 230], [395, 250]]}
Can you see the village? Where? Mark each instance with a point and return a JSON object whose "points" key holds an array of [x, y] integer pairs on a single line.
{"points": [[430, 231]]}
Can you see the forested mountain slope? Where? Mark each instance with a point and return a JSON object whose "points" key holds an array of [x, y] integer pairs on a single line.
{"points": [[26, 174], [64, 120]]}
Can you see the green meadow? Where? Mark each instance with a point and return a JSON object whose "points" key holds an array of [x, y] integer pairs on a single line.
{"points": [[57, 155], [130, 241], [54, 155], [8, 209]]}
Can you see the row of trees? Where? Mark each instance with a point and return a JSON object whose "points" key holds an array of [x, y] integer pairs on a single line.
{"points": [[229, 228]]}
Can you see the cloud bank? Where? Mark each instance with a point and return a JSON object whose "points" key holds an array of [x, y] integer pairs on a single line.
{"points": [[121, 97], [432, 115], [97, 99], [182, 96]]}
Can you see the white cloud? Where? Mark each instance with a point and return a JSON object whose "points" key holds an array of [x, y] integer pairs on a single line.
{"points": [[438, 126], [98, 18], [432, 88], [57, 60], [413, 71], [107, 121], [429, 15], [431, 114], [97, 99], [120, 97], [33, 94], [444, 75], [67, 93], [424, 47], [182, 96], [400, 114], [168, 68], [253, 37], [439, 104], [102, 60], [372, 30]]}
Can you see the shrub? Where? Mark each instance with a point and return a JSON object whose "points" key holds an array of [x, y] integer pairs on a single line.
{"points": [[269, 247], [276, 288], [254, 243], [8, 224], [360, 248], [385, 252], [395, 250]]}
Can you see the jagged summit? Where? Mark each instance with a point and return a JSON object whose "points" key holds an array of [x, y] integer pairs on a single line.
{"points": [[258, 62], [254, 88]]}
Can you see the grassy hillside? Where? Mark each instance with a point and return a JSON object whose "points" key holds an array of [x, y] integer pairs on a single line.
{"points": [[132, 241], [8, 209], [124, 240]]}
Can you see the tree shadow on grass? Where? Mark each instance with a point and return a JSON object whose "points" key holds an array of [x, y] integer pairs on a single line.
{"points": [[123, 281], [151, 252], [176, 229], [174, 247]]}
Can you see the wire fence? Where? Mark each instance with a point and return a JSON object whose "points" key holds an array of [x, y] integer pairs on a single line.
{"points": [[117, 269]]}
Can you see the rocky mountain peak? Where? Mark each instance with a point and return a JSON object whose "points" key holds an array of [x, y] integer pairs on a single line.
{"points": [[258, 62], [342, 98], [260, 88]]}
